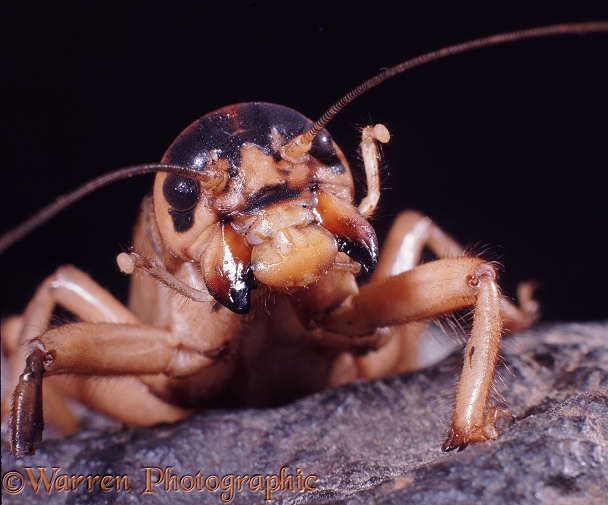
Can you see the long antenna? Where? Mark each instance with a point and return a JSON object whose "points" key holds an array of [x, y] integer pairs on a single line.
{"points": [[9, 238], [301, 144]]}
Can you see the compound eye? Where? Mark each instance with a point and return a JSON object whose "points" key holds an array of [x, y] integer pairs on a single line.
{"points": [[181, 192]]}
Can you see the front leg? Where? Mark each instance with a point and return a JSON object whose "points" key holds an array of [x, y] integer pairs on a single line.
{"points": [[26, 422], [94, 349], [111, 341], [472, 421], [431, 290]]}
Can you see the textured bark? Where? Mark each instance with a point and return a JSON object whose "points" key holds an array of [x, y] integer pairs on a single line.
{"points": [[377, 441]]}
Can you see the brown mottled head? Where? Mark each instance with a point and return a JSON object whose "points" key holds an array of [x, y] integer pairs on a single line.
{"points": [[260, 218]]}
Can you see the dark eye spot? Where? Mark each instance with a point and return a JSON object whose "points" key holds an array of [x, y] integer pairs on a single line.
{"points": [[323, 149], [182, 220], [181, 192]]}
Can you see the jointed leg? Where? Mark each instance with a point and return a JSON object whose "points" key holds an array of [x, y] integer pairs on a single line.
{"points": [[113, 342], [410, 234], [71, 289], [472, 422], [431, 290]]}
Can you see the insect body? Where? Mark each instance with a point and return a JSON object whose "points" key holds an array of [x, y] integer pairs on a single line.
{"points": [[246, 262]]}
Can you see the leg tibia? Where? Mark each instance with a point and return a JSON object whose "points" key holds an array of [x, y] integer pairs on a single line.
{"points": [[431, 290], [26, 422], [471, 422]]}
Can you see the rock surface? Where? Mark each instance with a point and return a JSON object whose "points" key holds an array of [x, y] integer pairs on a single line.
{"points": [[367, 442]]}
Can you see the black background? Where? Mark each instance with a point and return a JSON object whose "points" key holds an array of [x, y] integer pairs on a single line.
{"points": [[504, 147]]}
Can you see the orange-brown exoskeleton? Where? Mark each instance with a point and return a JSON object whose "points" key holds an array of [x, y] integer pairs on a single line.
{"points": [[246, 287]]}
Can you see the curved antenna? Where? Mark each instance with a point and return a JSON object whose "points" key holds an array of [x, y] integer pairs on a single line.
{"points": [[301, 144], [297, 146], [13, 236]]}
